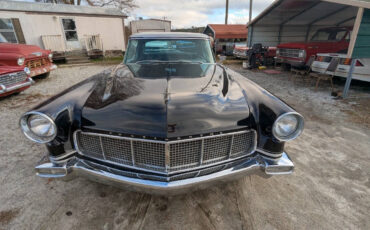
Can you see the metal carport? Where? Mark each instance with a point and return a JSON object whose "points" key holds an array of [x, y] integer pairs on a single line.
{"points": [[296, 20]]}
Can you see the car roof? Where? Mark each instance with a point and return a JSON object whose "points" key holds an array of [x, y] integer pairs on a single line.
{"points": [[168, 35]]}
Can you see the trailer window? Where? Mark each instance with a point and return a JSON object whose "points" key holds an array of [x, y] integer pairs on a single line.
{"points": [[7, 33]]}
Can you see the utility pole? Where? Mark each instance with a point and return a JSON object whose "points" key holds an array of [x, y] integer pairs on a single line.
{"points": [[250, 10], [227, 11]]}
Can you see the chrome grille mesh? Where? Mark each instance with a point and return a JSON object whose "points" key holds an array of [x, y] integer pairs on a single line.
{"points": [[117, 150], [12, 78], [185, 154], [91, 145], [166, 157], [294, 53], [240, 143], [149, 155], [217, 148]]}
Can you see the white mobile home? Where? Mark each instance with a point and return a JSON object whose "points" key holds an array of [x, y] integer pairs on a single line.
{"points": [[150, 25], [63, 28]]}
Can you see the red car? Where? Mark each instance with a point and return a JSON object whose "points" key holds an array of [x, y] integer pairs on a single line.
{"points": [[241, 51], [37, 60], [327, 40], [14, 79]]}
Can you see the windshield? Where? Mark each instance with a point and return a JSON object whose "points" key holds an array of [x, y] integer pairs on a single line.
{"points": [[169, 50], [329, 35]]}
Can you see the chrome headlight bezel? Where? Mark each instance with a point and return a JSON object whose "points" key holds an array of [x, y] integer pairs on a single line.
{"points": [[26, 129], [20, 61], [297, 131]]}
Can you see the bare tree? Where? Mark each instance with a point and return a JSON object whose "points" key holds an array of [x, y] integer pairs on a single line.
{"points": [[51, 1], [124, 5]]}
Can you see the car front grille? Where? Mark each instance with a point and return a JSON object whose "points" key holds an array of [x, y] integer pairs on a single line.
{"points": [[12, 78], [32, 64], [166, 157], [293, 53]]}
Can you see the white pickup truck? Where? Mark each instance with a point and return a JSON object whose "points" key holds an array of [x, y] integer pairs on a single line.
{"points": [[361, 71]]}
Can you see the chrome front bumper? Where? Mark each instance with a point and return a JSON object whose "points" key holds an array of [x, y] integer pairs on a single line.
{"points": [[4, 89], [293, 62], [71, 167]]}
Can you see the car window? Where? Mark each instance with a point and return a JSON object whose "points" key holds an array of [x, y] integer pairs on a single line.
{"points": [[340, 35], [240, 39], [169, 50], [329, 35], [131, 51], [348, 36]]}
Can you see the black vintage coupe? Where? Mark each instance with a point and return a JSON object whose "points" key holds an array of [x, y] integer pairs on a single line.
{"points": [[167, 120]]}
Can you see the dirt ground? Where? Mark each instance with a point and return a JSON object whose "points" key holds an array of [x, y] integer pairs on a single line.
{"points": [[330, 188]]}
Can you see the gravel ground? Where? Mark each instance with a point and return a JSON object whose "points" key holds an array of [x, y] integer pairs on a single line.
{"points": [[330, 188]]}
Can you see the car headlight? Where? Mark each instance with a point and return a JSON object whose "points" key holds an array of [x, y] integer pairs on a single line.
{"points": [[38, 127], [288, 126], [20, 61], [50, 56], [302, 54]]}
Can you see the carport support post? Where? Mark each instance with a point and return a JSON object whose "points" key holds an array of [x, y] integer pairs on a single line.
{"points": [[349, 78]]}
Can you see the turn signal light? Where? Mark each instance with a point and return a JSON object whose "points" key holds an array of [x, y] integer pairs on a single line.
{"points": [[348, 61]]}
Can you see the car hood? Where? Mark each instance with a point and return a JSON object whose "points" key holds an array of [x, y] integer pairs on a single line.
{"points": [[294, 45], [10, 69], [22, 49], [165, 100]]}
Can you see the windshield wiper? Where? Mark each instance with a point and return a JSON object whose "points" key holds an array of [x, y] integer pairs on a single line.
{"points": [[149, 61], [186, 61], [174, 61]]}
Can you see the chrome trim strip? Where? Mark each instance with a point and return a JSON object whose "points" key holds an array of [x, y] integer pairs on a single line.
{"points": [[62, 156], [163, 142], [231, 145], [167, 160], [102, 148], [264, 152], [132, 152], [202, 153]]}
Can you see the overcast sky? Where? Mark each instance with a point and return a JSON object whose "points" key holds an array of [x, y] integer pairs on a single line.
{"points": [[187, 13]]}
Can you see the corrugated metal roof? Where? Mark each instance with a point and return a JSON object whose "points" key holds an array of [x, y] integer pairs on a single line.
{"points": [[303, 12], [229, 31], [59, 9]]}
